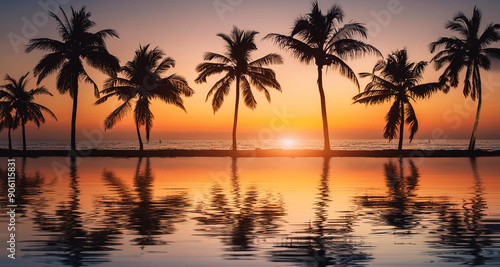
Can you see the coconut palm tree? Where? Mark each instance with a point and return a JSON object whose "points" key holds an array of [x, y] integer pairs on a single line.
{"points": [[143, 82], [398, 81], [319, 38], [7, 119], [238, 67], [78, 44], [471, 51], [21, 101]]}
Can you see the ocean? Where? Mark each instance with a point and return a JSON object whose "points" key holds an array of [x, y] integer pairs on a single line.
{"points": [[336, 144]]}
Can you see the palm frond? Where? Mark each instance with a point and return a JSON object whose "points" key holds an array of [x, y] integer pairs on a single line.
{"points": [[223, 82], [300, 50], [116, 115], [208, 69], [373, 97], [247, 94], [209, 56], [49, 64], [426, 90], [267, 60], [353, 49], [46, 45], [338, 64], [393, 119], [411, 119]]}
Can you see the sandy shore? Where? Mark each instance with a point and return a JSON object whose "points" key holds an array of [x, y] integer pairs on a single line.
{"points": [[247, 153]]}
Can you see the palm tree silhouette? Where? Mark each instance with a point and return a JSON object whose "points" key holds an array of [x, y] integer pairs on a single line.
{"points": [[21, 100], [67, 56], [7, 119], [469, 51], [318, 38], [236, 63], [143, 81], [399, 81]]}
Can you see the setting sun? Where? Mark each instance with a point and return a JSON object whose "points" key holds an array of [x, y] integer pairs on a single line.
{"points": [[288, 143]]}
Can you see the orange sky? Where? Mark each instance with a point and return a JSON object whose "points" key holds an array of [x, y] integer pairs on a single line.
{"points": [[187, 29]]}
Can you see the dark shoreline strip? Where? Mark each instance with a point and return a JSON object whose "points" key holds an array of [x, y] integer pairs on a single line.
{"points": [[248, 153]]}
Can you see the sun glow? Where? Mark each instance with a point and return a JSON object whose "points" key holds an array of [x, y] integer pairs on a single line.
{"points": [[288, 143]]}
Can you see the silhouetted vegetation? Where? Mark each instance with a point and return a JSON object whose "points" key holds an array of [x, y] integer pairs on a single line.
{"points": [[143, 82], [236, 62], [398, 81], [19, 106], [78, 44], [318, 38], [472, 51]]}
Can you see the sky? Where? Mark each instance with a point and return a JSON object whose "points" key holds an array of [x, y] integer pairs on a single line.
{"points": [[186, 29]]}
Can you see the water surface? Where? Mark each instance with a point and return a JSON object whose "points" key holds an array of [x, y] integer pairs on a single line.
{"points": [[336, 144], [255, 212]]}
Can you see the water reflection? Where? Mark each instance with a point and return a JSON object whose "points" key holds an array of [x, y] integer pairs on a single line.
{"points": [[239, 217], [463, 234], [66, 237], [138, 211], [324, 241], [112, 211], [28, 187], [400, 208]]}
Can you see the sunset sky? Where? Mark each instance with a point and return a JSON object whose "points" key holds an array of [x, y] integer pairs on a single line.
{"points": [[186, 29]]}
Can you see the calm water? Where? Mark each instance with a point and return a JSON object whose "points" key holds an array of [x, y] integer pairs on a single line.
{"points": [[254, 212], [338, 144]]}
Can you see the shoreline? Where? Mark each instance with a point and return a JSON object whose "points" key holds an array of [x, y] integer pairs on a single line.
{"points": [[248, 153]]}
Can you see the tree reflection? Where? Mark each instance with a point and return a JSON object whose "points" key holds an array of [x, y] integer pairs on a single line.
{"points": [[324, 241], [239, 217], [463, 235], [401, 206], [27, 188], [139, 211], [68, 239]]}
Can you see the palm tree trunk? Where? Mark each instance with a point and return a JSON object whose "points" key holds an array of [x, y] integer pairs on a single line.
{"points": [[236, 106], [326, 134], [10, 140], [141, 146], [73, 120], [472, 143], [24, 137], [477, 88], [401, 126]]}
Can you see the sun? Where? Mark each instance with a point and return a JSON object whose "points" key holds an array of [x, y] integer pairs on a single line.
{"points": [[288, 143]]}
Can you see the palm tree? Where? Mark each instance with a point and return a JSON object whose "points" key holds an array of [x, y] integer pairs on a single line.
{"points": [[67, 56], [21, 101], [7, 119], [398, 81], [469, 51], [143, 82], [236, 63], [318, 38]]}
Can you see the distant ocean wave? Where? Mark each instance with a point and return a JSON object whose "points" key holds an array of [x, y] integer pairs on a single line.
{"points": [[337, 144]]}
